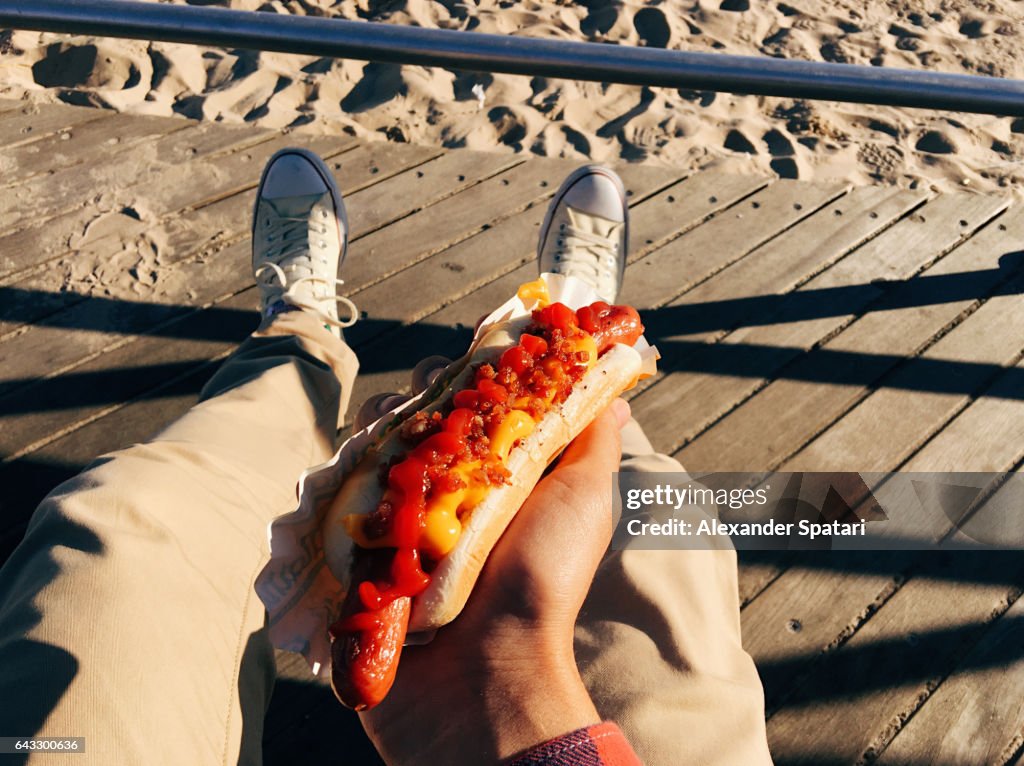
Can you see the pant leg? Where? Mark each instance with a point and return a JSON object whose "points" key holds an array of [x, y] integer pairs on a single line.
{"points": [[658, 645], [128, 615]]}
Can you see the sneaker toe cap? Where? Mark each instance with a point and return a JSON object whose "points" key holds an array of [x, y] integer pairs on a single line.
{"points": [[292, 175], [598, 193]]}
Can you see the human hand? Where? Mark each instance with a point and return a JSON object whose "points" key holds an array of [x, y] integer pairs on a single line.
{"points": [[502, 677]]}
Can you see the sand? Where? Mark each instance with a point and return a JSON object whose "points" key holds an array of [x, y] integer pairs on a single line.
{"points": [[794, 139]]}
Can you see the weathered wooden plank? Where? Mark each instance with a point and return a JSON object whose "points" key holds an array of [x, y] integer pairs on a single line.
{"points": [[177, 235], [923, 394], [100, 323], [106, 137], [146, 360], [447, 331], [758, 570], [987, 436], [398, 246], [154, 174], [707, 379], [812, 607], [682, 207], [823, 384], [458, 270], [157, 169], [711, 249], [879, 678], [728, 237], [977, 716], [34, 414], [52, 355], [430, 183], [30, 122]]}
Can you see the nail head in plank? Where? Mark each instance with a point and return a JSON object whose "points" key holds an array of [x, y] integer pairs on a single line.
{"points": [[82, 144], [32, 122]]}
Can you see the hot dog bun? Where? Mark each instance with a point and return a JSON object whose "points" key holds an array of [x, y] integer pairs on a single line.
{"points": [[454, 578], [455, 575]]}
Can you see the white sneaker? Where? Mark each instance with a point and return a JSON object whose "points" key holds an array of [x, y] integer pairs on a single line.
{"points": [[586, 230], [299, 238]]}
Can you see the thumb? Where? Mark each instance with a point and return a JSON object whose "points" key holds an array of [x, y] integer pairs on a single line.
{"points": [[570, 509]]}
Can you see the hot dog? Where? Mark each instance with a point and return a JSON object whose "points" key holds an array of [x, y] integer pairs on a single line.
{"points": [[412, 525]]}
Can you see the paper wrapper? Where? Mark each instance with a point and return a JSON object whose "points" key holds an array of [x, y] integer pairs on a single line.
{"points": [[301, 594]]}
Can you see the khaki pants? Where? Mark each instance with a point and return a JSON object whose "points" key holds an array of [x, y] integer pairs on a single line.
{"points": [[128, 616]]}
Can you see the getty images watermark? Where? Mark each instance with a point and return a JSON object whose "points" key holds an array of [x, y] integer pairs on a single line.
{"points": [[838, 511]]}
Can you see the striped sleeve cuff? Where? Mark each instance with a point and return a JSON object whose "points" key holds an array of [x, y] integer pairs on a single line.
{"points": [[600, 745]]}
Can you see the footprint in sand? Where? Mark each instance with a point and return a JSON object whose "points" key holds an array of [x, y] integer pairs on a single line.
{"points": [[380, 84], [601, 16], [651, 25], [883, 127], [882, 161], [785, 167], [84, 66], [510, 127], [777, 143], [977, 28], [737, 142], [560, 141], [935, 142]]}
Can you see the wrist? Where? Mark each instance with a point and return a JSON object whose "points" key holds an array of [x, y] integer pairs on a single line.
{"points": [[485, 700], [531, 690]]}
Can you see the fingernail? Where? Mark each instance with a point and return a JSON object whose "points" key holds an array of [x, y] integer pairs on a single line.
{"points": [[622, 411]]}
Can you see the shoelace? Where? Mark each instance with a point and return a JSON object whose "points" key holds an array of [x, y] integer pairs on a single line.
{"points": [[572, 242], [292, 245], [292, 300]]}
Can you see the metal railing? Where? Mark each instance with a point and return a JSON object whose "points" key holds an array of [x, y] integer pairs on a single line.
{"points": [[473, 51]]}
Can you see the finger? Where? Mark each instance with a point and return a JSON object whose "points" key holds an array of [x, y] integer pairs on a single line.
{"points": [[598, 449], [374, 407], [622, 411], [426, 372]]}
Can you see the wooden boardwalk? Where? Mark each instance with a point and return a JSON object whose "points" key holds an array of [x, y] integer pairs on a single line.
{"points": [[803, 326]]}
